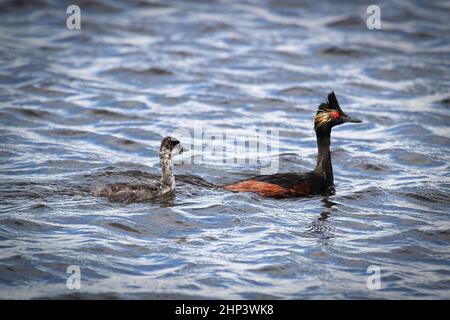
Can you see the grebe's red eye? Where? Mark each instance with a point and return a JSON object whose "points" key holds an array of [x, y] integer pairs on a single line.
{"points": [[335, 114]]}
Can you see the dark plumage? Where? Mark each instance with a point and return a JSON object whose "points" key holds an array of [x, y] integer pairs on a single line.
{"points": [[320, 180]]}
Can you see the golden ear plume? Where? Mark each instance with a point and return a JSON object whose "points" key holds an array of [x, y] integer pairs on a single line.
{"points": [[322, 118]]}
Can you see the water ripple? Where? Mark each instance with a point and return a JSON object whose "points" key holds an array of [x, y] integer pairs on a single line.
{"points": [[86, 108]]}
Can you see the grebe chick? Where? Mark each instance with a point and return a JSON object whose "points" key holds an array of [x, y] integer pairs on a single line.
{"points": [[132, 192], [320, 180]]}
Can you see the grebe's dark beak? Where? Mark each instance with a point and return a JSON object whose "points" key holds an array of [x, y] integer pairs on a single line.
{"points": [[351, 120]]}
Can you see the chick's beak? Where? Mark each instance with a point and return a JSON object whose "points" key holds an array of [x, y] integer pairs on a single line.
{"points": [[183, 149], [178, 149]]}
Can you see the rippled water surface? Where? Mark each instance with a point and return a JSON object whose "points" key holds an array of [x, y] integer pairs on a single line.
{"points": [[83, 108]]}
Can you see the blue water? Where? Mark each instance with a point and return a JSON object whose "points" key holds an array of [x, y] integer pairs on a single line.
{"points": [[80, 108]]}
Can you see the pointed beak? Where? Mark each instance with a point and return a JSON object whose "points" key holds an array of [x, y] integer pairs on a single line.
{"points": [[352, 120], [184, 149], [179, 149]]}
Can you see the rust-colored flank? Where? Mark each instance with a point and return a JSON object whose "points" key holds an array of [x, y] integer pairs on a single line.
{"points": [[269, 190]]}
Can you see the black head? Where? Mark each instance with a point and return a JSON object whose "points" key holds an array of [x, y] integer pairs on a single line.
{"points": [[171, 145], [330, 114]]}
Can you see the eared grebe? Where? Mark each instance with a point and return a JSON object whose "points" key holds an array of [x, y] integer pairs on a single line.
{"points": [[320, 180], [129, 192]]}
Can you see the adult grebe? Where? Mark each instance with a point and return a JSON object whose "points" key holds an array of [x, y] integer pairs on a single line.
{"points": [[320, 180]]}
